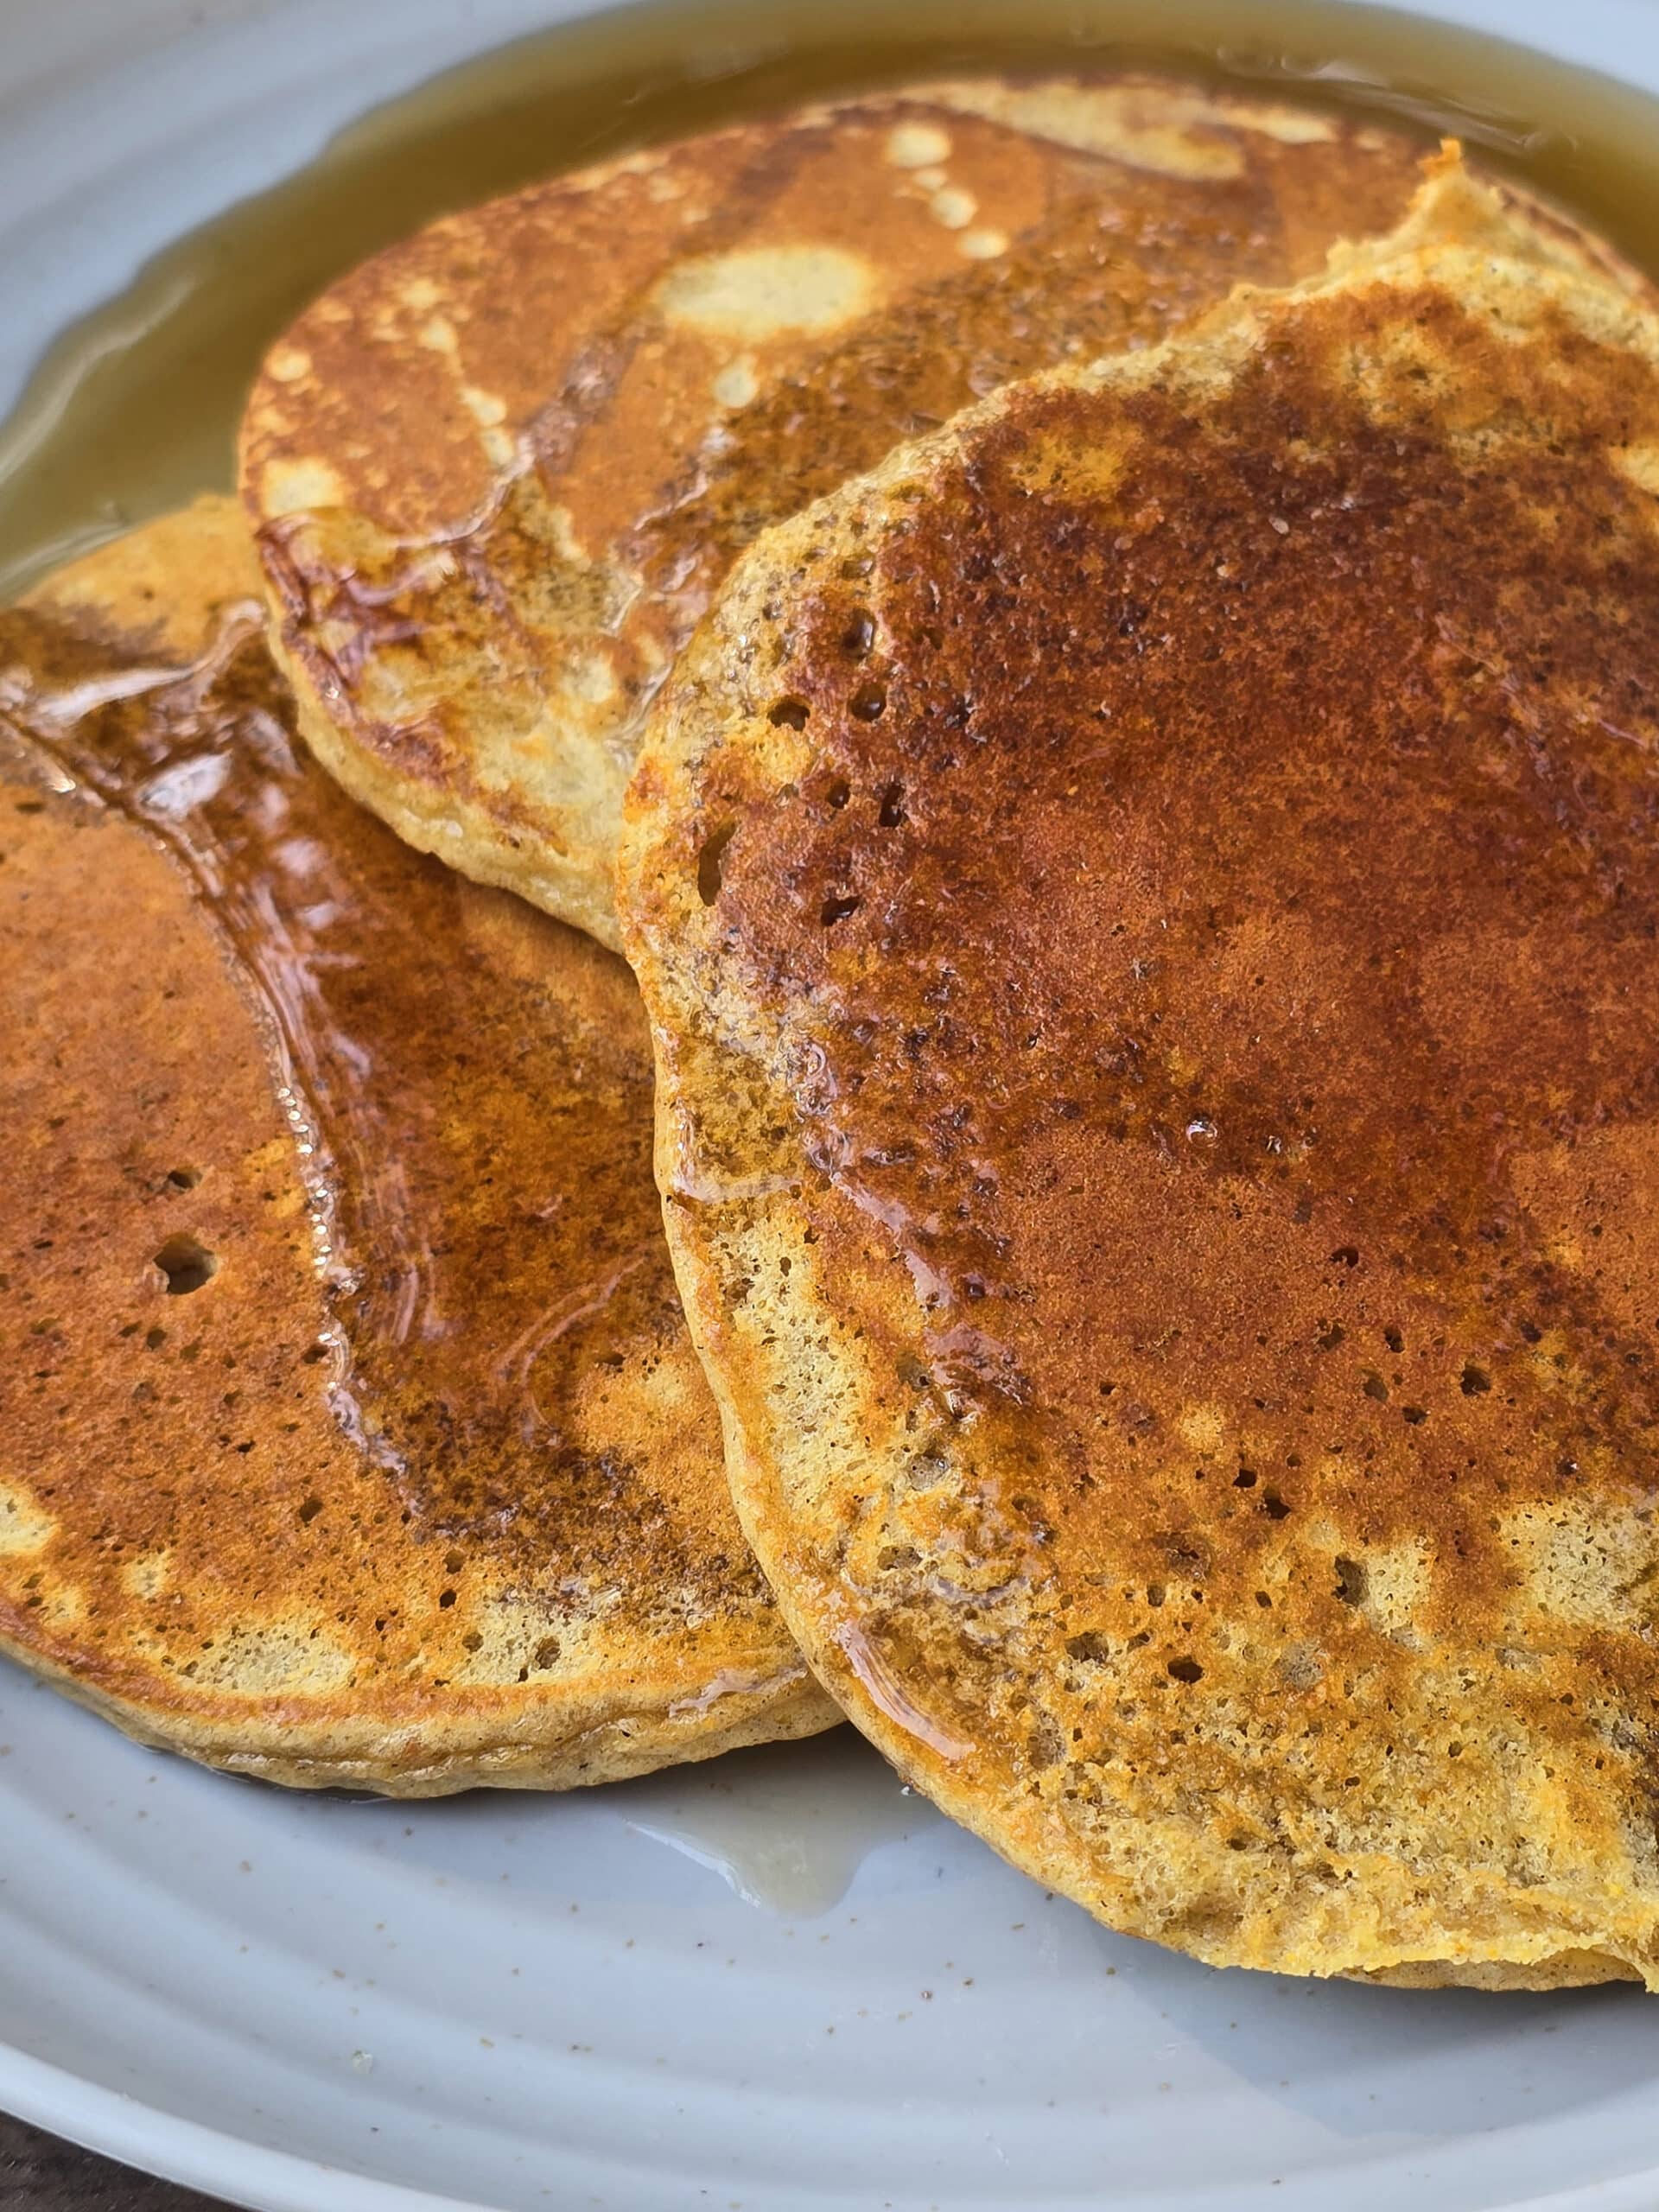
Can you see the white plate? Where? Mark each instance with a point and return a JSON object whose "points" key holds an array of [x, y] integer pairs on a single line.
{"points": [[778, 1983]]}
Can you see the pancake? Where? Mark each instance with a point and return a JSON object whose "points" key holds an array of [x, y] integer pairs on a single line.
{"points": [[496, 472], [351, 1431], [1146, 907]]}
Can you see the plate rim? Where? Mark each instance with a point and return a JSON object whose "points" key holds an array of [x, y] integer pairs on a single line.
{"points": [[262, 2179], [154, 2141]]}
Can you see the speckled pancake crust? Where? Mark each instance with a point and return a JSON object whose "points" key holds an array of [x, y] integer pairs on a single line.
{"points": [[496, 472], [1147, 906], [352, 1434]]}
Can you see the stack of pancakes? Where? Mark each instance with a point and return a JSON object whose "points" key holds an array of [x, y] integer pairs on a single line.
{"points": [[1094, 643]]}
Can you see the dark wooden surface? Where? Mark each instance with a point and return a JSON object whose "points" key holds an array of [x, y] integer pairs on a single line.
{"points": [[40, 2173]]}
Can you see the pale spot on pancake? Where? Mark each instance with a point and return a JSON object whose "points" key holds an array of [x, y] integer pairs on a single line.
{"points": [[666, 1388], [928, 180], [664, 186], [146, 1576], [514, 1637], [1591, 1564], [562, 536], [1049, 461], [420, 295], [590, 677], [278, 1658], [983, 246], [486, 407], [287, 364], [1640, 464], [501, 446], [1400, 364], [918, 145], [662, 1390], [735, 386], [1395, 1582], [1291, 126], [290, 487], [511, 1640], [437, 334], [758, 291], [953, 207], [1385, 1584], [1171, 133], [61, 1606], [23, 1526], [1083, 471], [1201, 1427]]}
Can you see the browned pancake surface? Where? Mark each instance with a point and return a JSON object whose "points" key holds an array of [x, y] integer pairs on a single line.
{"points": [[352, 1431], [1149, 907], [498, 471]]}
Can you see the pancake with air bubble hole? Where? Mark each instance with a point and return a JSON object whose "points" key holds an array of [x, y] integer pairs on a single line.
{"points": [[1147, 905], [352, 1435], [496, 472]]}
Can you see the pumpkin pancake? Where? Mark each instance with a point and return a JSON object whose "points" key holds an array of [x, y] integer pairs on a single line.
{"points": [[496, 472], [1147, 906], [352, 1434]]}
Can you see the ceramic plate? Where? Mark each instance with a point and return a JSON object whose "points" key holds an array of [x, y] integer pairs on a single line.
{"points": [[777, 1983]]}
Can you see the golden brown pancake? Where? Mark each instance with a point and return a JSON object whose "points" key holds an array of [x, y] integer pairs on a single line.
{"points": [[1148, 905], [498, 471], [352, 1430]]}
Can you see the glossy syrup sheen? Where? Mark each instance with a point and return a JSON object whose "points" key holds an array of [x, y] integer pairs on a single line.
{"points": [[469, 1084], [117, 427]]}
